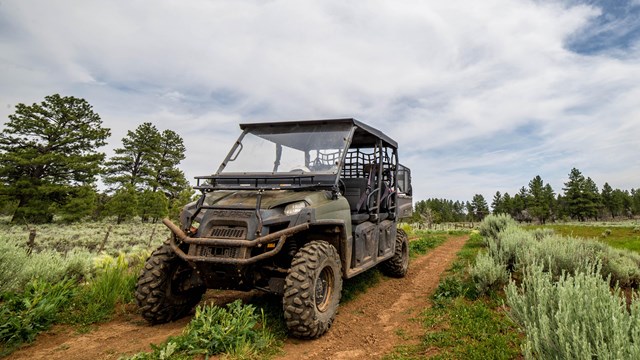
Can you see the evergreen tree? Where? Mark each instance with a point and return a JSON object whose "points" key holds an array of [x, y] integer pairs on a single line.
{"points": [[48, 151], [635, 201], [608, 201], [594, 201], [152, 205], [123, 204], [539, 199], [82, 203], [134, 162], [479, 208], [176, 204], [167, 177], [548, 196], [507, 204], [578, 205], [497, 204]]}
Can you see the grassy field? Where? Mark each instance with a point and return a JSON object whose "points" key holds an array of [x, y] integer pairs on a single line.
{"points": [[621, 235], [128, 237]]}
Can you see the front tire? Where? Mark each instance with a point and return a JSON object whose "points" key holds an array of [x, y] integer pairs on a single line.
{"points": [[398, 265], [312, 290], [162, 293]]}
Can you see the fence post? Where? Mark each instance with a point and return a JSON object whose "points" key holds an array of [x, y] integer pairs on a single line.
{"points": [[153, 232], [106, 236], [32, 241]]}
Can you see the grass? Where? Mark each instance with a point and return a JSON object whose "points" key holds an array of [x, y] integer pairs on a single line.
{"points": [[618, 235], [79, 299], [128, 237], [426, 241], [460, 325]]}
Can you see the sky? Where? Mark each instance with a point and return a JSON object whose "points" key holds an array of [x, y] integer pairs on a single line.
{"points": [[481, 96]]}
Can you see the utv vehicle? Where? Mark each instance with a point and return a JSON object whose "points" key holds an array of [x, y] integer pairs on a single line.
{"points": [[295, 208]]}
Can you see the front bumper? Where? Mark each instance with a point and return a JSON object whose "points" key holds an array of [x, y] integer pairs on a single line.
{"points": [[278, 237]]}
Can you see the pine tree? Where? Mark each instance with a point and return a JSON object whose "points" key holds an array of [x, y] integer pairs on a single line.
{"points": [[496, 203], [152, 205], [479, 208], [47, 152], [166, 175], [578, 205], [539, 199], [608, 200], [134, 162], [123, 204]]}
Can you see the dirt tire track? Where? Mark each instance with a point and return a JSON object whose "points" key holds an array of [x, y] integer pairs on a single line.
{"points": [[126, 335], [364, 328], [368, 327]]}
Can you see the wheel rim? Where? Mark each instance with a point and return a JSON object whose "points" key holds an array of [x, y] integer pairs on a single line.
{"points": [[324, 289]]}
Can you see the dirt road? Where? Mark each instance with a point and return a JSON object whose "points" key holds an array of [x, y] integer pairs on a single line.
{"points": [[367, 327], [371, 325]]}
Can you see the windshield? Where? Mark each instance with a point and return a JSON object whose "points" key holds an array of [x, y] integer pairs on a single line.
{"points": [[290, 149]]}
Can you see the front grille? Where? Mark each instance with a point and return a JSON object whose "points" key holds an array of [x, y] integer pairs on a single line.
{"points": [[227, 232]]}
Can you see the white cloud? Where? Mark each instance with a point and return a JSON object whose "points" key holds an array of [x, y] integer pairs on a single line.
{"points": [[438, 76]]}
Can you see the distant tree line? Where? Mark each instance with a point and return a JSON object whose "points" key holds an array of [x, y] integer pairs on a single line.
{"points": [[581, 200], [50, 164]]}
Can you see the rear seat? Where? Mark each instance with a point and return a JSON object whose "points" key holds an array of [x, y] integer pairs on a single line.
{"points": [[354, 190]]}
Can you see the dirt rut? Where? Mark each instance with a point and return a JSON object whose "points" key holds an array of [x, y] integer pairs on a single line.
{"points": [[371, 325], [367, 327]]}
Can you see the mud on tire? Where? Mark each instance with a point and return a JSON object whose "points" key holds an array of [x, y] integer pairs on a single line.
{"points": [[312, 290], [160, 292], [398, 265]]}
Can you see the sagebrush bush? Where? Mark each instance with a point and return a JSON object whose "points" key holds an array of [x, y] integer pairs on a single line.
{"points": [[540, 234], [494, 224], [488, 274], [17, 267], [575, 317], [509, 244]]}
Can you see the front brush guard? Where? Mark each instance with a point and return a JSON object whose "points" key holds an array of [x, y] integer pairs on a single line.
{"points": [[279, 236]]}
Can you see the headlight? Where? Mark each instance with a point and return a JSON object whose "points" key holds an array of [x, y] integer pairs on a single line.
{"points": [[294, 208]]}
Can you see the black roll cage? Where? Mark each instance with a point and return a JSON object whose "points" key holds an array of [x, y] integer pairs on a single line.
{"points": [[360, 136]]}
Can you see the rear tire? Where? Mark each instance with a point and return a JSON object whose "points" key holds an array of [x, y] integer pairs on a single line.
{"points": [[398, 265], [312, 290], [160, 292]]}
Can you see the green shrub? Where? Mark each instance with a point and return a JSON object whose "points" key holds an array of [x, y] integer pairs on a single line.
{"points": [[113, 283], [17, 268], [506, 247], [487, 274], [494, 224], [238, 331], [577, 317], [24, 315], [540, 234], [450, 287], [425, 242]]}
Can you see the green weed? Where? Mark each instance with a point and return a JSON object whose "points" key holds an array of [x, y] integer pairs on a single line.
{"points": [[237, 330], [113, 283], [425, 242], [24, 315]]}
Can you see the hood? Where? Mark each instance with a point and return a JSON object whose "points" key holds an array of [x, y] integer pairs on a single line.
{"points": [[246, 199]]}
